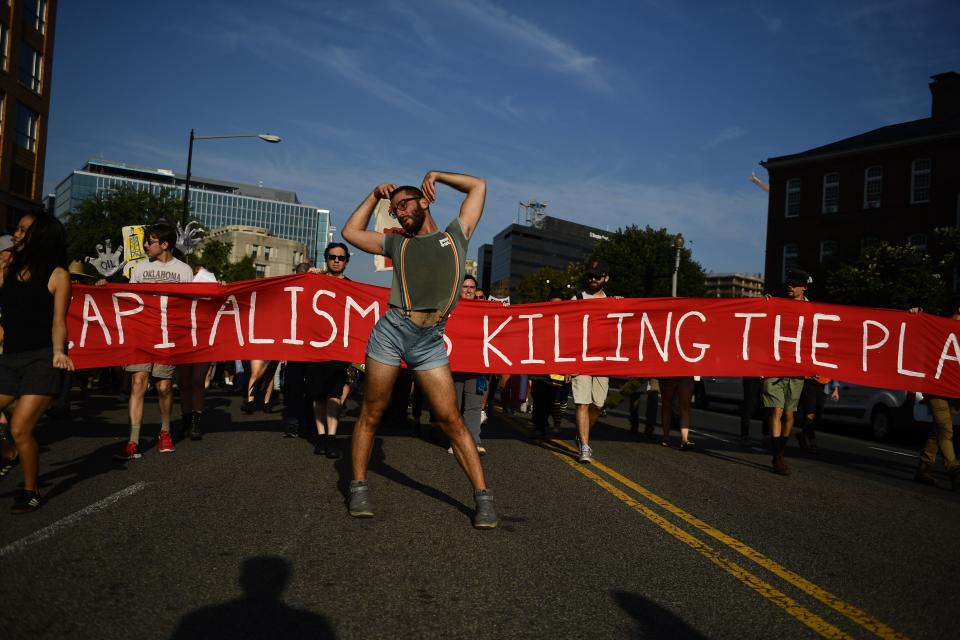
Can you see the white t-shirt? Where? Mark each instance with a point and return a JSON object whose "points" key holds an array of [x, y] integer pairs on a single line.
{"points": [[156, 272], [204, 276], [584, 295]]}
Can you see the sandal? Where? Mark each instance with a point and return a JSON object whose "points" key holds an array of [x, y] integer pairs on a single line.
{"points": [[686, 446]]}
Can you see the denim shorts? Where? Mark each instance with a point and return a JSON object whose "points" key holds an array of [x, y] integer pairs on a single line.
{"points": [[396, 338], [30, 373]]}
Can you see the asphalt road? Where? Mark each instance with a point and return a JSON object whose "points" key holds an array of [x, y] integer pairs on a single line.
{"points": [[245, 535]]}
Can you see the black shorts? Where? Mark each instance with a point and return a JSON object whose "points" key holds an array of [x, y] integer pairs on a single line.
{"points": [[812, 399], [30, 373], [326, 379]]}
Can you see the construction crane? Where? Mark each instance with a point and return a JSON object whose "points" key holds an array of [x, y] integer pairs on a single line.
{"points": [[535, 212], [760, 183]]}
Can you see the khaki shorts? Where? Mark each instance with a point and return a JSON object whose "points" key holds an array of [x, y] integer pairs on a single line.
{"points": [[590, 390], [158, 371], [782, 393]]}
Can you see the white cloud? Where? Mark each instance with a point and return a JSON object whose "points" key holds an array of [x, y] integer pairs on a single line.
{"points": [[770, 24], [725, 135]]}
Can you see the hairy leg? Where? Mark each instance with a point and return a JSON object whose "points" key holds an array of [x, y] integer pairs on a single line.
{"points": [[377, 386]]}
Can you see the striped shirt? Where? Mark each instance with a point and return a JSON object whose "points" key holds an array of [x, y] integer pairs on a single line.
{"points": [[427, 270]]}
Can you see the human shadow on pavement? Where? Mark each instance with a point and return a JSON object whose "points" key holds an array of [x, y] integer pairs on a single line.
{"points": [[653, 621], [259, 614], [379, 466]]}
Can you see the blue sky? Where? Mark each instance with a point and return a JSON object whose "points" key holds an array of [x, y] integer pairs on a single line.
{"points": [[613, 112]]}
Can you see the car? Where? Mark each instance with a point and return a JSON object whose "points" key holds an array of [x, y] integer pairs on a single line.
{"points": [[882, 410]]}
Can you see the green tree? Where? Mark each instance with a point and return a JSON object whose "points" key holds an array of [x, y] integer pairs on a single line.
{"points": [[216, 259], [641, 264], [243, 270], [102, 216], [535, 286], [897, 276]]}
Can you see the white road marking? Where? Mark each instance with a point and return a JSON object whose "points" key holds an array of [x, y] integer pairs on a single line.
{"points": [[899, 453], [53, 529], [702, 433]]}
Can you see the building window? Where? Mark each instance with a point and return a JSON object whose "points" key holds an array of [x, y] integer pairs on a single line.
{"points": [[792, 208], [872, 187], [261, 270], [918, 240], [266, 253], [31, 64], [831, 193], [920, 181], [21, 181], [26, 128], [35, 15], [791, 257], [4, 38], [828, 250]]}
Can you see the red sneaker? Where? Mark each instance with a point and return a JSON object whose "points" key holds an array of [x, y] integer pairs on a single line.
{"points": [[165, 443], [130, 451]]}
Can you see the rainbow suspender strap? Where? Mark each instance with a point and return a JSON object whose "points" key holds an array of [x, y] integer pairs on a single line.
{"points": [[405, 288]]}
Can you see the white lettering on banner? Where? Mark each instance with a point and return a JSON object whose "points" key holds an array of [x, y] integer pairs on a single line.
{"points": [[530, 318], [164, 332], [117, 314], [950, 342], [745, 345], [646, 325], [870, 347], [88, 304], [193, 319], [235, 312], [900, 369], [703, 347], [815, 344], [556, 341], [586, 338], [487, 337], [778, 338], [619, 316], [323, 314], [250, 320], [352, 304], [293, 316]]}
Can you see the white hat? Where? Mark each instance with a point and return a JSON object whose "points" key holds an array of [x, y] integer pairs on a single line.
{"points": [[6, 241]]}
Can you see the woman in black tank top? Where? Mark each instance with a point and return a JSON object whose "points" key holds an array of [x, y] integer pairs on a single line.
{"points": [[34, 299]]}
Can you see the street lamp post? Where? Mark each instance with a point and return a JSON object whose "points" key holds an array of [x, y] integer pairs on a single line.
{"points": [[266, 137], [677, 246]]}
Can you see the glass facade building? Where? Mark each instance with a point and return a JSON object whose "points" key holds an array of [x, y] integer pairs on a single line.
{"points": [[215, 203]]}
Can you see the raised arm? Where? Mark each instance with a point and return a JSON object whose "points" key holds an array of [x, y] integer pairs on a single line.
{"points": [[475, 188], [355, 229]]}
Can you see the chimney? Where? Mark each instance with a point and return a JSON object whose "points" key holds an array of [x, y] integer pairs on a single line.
{"points": [[945, 91]]}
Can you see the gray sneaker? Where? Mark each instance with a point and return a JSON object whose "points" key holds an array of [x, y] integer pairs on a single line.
{"points": [[486, 515], [586, 454], [360, 499]]}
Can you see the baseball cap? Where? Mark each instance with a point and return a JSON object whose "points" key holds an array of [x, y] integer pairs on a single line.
{"points": [[797, 278], [6, 241], [598, 268]]}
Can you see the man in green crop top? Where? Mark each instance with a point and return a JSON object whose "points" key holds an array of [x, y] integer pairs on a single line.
{"points": [[428, 267]]}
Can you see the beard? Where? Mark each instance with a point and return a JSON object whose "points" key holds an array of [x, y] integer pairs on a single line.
{"points": [[412, 222]]}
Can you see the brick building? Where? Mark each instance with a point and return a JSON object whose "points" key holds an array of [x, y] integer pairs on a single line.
{"points": [[896, 183]]}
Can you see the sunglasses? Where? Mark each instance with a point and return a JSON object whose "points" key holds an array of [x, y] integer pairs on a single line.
{"points": [[336, 258], [147, 243]]}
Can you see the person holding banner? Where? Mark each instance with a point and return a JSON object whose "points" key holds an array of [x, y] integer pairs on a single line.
{"points": [[428, 267], [35, 296], [160, 266], [781, 395]]}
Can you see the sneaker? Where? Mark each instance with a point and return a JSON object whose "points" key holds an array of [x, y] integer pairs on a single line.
{"points": [[483, 416], [359, 504], [687, 446], [333, 451], [486, 515], [27, 502], [248, 407], [7, 465], [195, 433], [320, 448], [481, 450], [586, 454], [130, 451], [165, 442]]}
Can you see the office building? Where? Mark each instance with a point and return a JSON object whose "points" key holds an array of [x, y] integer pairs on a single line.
{"points": [[215, 203], [734, 285], [520, 250], [26, 61], [272, 256], [895, 184]]}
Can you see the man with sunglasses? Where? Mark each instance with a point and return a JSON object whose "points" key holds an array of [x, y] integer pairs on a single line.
{"points": [[160, 267], [590, 392], [429, 265]]}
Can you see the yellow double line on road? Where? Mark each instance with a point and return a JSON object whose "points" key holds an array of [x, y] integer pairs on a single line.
{"points": [[768, 591]]}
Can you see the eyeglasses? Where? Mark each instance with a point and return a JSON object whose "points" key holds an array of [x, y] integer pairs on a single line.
{"points": [[147, 243], [336, 258], [402, 205]]}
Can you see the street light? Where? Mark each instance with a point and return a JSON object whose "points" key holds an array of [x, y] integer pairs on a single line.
{"points": [[266, 137], [677, 246]]}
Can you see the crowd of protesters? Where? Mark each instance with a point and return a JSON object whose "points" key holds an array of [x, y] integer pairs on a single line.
{"points": [[35, 287]]}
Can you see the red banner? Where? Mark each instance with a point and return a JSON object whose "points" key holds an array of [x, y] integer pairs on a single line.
{"points": [[315, 317]]}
